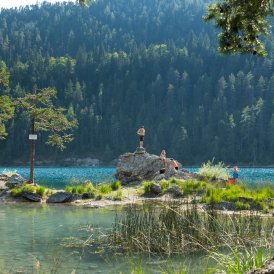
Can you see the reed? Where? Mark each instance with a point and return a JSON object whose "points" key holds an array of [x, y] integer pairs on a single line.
{"points": [[171, 229]]}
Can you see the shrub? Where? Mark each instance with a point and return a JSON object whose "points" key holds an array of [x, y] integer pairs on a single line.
{"points": [[104, 189], [41, 190], [118, 196], [116, 185], [147, 186], [164, 185], [217, 171], [242, 205], [16, 192]]}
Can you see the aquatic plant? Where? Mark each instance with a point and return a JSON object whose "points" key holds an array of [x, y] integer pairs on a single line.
{"points": [[239, 259], [214, 171], [169, 229]]}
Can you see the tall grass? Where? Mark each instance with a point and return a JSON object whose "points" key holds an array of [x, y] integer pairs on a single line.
{"points": [[240, 259], [171, 229], [214, 171]]}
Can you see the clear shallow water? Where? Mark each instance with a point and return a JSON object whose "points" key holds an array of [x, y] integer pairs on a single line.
{"points": [[58, 177], [40, 239]]}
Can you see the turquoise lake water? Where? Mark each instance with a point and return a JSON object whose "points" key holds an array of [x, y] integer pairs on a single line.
{"points": [[44, 239], [58, 177], [41, 238]]}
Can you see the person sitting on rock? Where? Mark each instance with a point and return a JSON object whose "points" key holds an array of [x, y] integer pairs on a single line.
{"points": [[174, 164], [141, 132]]}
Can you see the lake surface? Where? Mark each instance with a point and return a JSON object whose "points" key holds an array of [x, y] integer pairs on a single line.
{"points": [[58, 177], [44, 239]]}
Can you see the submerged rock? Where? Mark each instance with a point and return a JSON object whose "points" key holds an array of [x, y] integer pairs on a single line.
{"points": [[140, 166], [63, 197]]}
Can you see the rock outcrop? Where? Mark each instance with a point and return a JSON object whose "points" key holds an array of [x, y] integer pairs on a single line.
{"points": [[140, 166], [15, 180]]}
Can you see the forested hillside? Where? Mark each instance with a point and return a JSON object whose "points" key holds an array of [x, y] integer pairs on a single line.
{"points": [[125, 63]]}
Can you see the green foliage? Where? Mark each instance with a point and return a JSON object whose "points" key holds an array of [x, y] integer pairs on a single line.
{"points": [[164, 185], [239, 260], [6, 113], [236, 103], [190, 187], [214, 171], [86, 187], [104, 189], [4, 74], [147, 185], [118, 196], [242, 24], [39, 106], [237, 193], [242, 205], [116, 185], [184, 229], [41, 190]]}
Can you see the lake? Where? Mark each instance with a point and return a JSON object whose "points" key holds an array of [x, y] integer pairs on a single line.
{"points": [[58, 177], [45, 239], [41, 238]]}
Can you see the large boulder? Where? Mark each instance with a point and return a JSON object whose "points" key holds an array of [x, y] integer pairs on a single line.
{"points": [[63, 197], [30, 196], [140, 166]]}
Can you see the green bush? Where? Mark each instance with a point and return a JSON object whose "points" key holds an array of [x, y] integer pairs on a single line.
{"points": [[16, 192], [214, 171], [147, 186], [41, 190], [116, 185], [164, 185], [104, 189], [190, 187], [118, 196], [242, 205], [80, 189]]}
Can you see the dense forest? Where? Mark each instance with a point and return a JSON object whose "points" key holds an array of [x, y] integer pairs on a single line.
{"points": [[120, 64]]}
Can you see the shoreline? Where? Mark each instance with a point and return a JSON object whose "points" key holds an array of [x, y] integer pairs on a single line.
{"points": [[184, 203]]}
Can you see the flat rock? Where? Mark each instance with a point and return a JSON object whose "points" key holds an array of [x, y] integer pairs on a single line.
{"points": [[63, 197], [30, 196]]}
